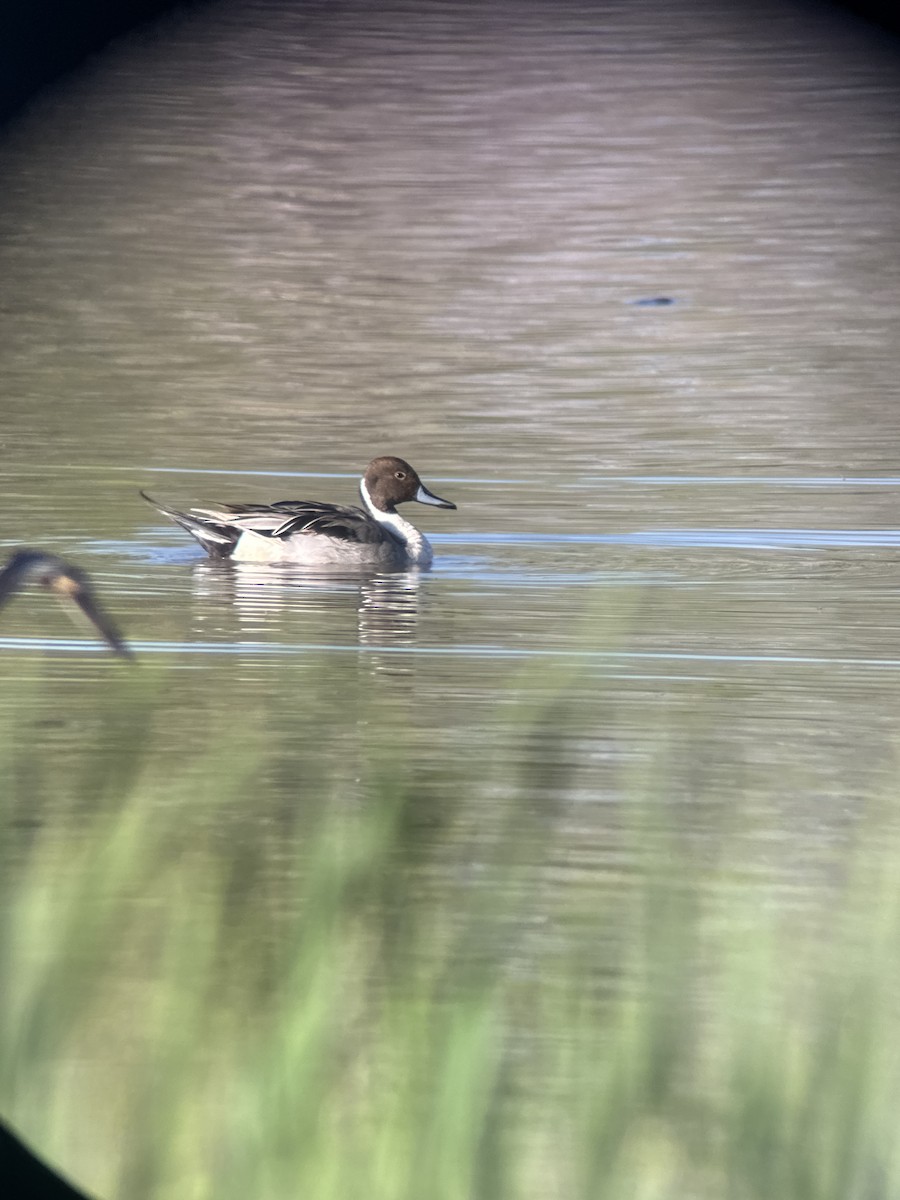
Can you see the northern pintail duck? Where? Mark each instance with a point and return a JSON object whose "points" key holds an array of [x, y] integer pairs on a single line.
{"points": [[64, 580], [308, 532]]}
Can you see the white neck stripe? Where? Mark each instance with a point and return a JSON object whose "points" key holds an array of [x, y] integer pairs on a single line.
{"points": [[417, 546], [367, 500]]}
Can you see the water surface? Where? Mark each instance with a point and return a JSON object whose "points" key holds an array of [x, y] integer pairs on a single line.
{"points": [[248, 250]]}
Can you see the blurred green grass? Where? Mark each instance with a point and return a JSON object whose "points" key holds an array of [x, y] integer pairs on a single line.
{"points": [[385, 988]]}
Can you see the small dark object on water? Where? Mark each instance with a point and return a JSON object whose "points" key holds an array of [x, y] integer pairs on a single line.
{"points": [[652, 302], [64, 580]]}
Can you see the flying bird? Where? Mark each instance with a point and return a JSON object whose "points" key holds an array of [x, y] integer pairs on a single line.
{"points": [[64, 580]]}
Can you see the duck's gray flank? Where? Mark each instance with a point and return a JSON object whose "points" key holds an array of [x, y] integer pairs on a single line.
{"points": [[315, 533]]}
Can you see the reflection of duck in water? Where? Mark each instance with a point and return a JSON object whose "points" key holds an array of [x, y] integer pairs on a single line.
{"points": [[389, 610], [310, 533], [262, 597], [64, 580]]}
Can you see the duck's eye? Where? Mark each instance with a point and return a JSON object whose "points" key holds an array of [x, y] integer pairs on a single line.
{"points": [[399, 474]]}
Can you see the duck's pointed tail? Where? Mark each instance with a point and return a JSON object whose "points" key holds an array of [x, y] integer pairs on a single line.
{"points": [[217, 539]]}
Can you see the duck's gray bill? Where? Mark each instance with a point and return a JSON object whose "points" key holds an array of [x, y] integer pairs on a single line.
{"points": [[425, 497]]}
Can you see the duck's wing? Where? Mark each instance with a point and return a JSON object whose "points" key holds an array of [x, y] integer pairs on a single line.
{"points": [[344, 522], [291, 518], [218, 527]]}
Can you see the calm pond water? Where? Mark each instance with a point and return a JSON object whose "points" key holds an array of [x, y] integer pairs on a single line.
{"points": [[622, 281]]}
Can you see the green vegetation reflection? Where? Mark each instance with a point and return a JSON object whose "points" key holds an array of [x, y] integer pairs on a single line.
{"points": [[250, 968]]}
